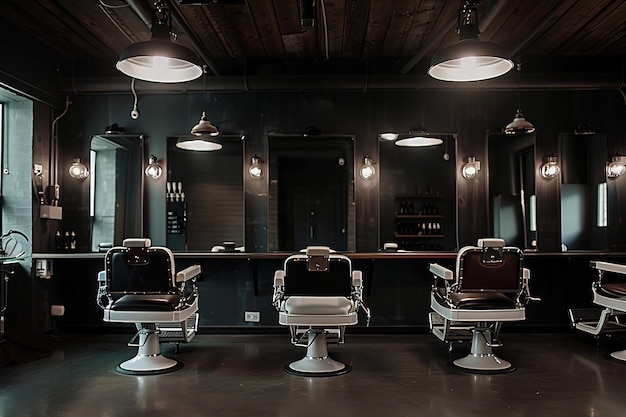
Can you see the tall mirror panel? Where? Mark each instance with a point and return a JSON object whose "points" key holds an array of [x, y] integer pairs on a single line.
{"points": [[205, 197], [311, 192], [512, 188], [418, 195], [116, 189]]}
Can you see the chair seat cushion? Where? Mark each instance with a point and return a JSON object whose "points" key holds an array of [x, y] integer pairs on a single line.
{"points": [[318, 305], [146, 302], [481, 300], [616, 288]]}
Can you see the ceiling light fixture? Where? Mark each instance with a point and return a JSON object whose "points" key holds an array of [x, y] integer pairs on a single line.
{"points": [[469, 59], [418, 137], [159, 60], [519, 125], [204, 127]]}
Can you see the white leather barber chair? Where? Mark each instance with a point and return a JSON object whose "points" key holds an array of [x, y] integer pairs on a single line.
{"points": [[317, 294], [488, 287], [609, 293], [139, 286]]}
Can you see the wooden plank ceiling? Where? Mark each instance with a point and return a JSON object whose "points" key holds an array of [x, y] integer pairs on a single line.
{"points": [[235, 37]]}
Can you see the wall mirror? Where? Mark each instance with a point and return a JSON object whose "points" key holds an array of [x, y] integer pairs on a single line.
{"points": [[584, 208], [311, 192], [205, 196], [116, 189], [512, 188], [418, 195]]}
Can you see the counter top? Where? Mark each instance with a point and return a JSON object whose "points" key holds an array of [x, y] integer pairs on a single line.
{"points": [[351, 255]]}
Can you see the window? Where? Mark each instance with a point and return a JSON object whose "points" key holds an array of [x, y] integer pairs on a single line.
{"points": [[602, 205]]}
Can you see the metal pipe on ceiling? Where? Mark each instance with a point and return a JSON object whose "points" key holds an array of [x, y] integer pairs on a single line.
{"points": [[347, 83]]}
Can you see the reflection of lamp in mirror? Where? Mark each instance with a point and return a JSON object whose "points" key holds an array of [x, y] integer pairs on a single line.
{"points": [[367, 170], [159, 59], [469, 59], [471, 168], [550, 168], [388, 135], [78, 170], [256, 168], [615, 168], [197, 143], [154, 170], [418, 137]]}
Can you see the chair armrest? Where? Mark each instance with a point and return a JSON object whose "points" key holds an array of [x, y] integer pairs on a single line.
{"points": [[102, 277], [188, 273], [357, 279], [608, 267], [279, 278], [441, 271]]}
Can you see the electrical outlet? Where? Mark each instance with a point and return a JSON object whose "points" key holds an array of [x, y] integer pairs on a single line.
{"points": [[253, 316]]}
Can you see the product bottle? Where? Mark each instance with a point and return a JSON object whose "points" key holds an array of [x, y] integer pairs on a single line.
{"points": [[58, 241]]}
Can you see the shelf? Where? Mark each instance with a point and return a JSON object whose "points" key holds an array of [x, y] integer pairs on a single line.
{"points": [[419, 216], [418, 236]]}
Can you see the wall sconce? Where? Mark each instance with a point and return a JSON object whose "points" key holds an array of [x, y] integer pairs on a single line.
{"points": [[256, 168], [471, 168], [550, 168], [367, 170], [154, 170], [615, 168], [78, 170]]}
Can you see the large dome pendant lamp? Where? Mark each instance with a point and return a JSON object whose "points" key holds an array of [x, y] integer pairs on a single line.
{"points": [[469, 59], [159, 60]]}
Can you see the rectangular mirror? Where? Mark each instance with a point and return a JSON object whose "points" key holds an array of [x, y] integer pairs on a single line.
{"points": [[512, 188], [311, 192], [418, 195], [205, 206], [583, 190], [116, 189]]}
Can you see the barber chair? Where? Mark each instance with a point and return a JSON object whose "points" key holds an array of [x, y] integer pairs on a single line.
{"points": [[609, 293], [139, 286], [317, 294], [488, 287]]}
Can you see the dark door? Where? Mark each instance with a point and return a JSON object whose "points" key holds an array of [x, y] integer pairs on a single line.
{"points": [[312, 201]]}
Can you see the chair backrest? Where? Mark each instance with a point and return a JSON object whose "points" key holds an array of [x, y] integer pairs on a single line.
{"points": [[490, 266], [138, 268], [318, 273]]}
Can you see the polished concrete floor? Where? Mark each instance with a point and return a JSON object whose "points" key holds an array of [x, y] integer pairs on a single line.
{"points": [[392, 376]]}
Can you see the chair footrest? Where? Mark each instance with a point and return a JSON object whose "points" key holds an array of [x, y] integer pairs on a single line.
{"points": [[596, 320]]}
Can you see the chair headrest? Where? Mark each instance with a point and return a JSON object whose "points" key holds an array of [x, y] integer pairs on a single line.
{"points": [[490, 242], [317, 250], [137, 242]]}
